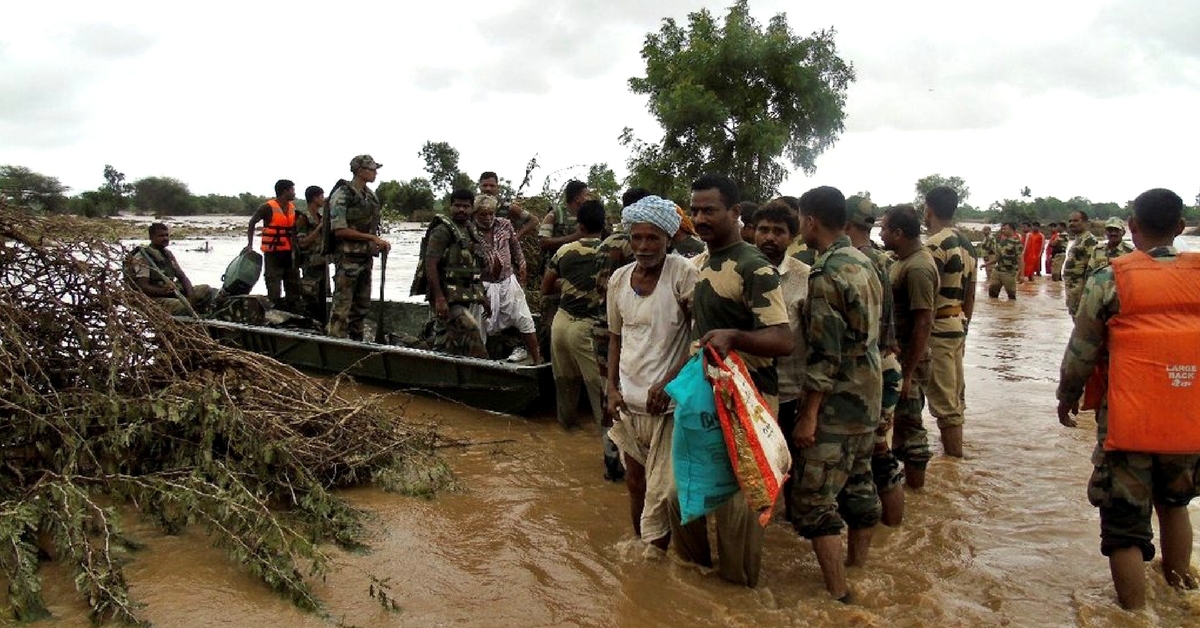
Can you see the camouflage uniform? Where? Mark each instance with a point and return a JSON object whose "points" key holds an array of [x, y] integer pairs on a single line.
{"points": [[158, 266], [834, 484], [615, 252], [1074, 270], [884, 465], [1123, 485], [314, 286], [352, 209], [956, 269], [565, 223], [738, 288], [988, 248], [1009, 253], [1103, 255], [914, 287], [1057, 252], [460, 272]]}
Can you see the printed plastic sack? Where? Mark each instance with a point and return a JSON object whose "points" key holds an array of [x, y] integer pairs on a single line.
{"points": [[703, 477], [757, 447], [242, 273]]}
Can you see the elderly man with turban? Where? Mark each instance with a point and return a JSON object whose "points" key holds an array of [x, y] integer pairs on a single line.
{"points": [[649, 318]]}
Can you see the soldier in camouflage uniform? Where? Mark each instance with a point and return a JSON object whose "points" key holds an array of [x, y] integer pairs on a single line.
{"points": [[354, 230], [1114, 246], [956, 264], [154, 270], [572, 274], [737, 305], [1079, 251], [558, 227], [914, 284], [987, 248], [310, 231], [843, 388], [885, 466], [450, 275], [1007, 264], [1126, 486]]}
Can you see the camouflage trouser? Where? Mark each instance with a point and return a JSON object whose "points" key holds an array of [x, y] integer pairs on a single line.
{"points": [[1056, 264], [910, 440], [279, 267], [459, 333], [1006, 280], [834, 486], [942, 388], [199, 303], [885, 467], [1126, 485], [351, 296], [315, 289]]}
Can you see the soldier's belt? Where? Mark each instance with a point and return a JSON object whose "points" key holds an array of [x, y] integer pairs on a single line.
{"points": [[949, 311]]}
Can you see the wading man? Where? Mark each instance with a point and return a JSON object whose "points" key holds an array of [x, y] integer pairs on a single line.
{"points": [[843, 390], [354, 226], [1139, 321], [1079, 251], [955, 303], [649, 313], [914, 281], [737, 305]]}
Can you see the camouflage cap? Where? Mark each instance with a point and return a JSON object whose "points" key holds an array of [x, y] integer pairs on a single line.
{"points": [[1114, 223], [364, 161], [860, 211]]}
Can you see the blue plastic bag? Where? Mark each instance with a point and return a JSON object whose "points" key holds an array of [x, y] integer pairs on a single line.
{"points": [[703, 475]]}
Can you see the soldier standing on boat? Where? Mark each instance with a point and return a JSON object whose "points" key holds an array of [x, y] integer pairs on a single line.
{"points": [[314, 286], [354, 228], [450, 275], [278, 216]]}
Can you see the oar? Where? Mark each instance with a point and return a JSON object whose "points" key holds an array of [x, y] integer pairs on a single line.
{"points": [[380, 332]]}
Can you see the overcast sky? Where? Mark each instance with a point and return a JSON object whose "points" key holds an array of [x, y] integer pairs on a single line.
{"points": [[1093, 98]]}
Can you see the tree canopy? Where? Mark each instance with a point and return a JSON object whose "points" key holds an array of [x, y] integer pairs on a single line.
{"points": [[925, 184], [733, 98]]}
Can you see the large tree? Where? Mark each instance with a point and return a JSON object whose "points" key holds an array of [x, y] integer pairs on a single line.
{"points": [[32, 189], [925, 184], [735, 98], [441, 162], [163, 196]]}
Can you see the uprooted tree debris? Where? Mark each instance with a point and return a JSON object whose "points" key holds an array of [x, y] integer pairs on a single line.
{"points": [[107, 404]]}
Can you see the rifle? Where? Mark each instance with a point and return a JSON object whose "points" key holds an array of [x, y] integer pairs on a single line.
{"points": [[380, 332]]}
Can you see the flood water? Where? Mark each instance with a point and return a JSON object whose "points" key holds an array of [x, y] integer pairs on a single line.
{"points": [[536, 537]]}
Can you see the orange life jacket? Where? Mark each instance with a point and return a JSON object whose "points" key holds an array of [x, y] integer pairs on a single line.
{"points": [[1154, 356], [277, 233]]}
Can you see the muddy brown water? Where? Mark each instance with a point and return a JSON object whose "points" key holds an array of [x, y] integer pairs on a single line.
{"points": [[536, 538]]}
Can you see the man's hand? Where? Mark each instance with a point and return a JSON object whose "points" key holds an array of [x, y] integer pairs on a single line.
{"points": [[657, 399], [805, 432], [441, 308], [1065, 410], [616, 404], [722, 340]]}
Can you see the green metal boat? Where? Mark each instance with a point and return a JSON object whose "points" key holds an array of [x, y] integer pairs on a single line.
{"points": [[493, 385]]}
